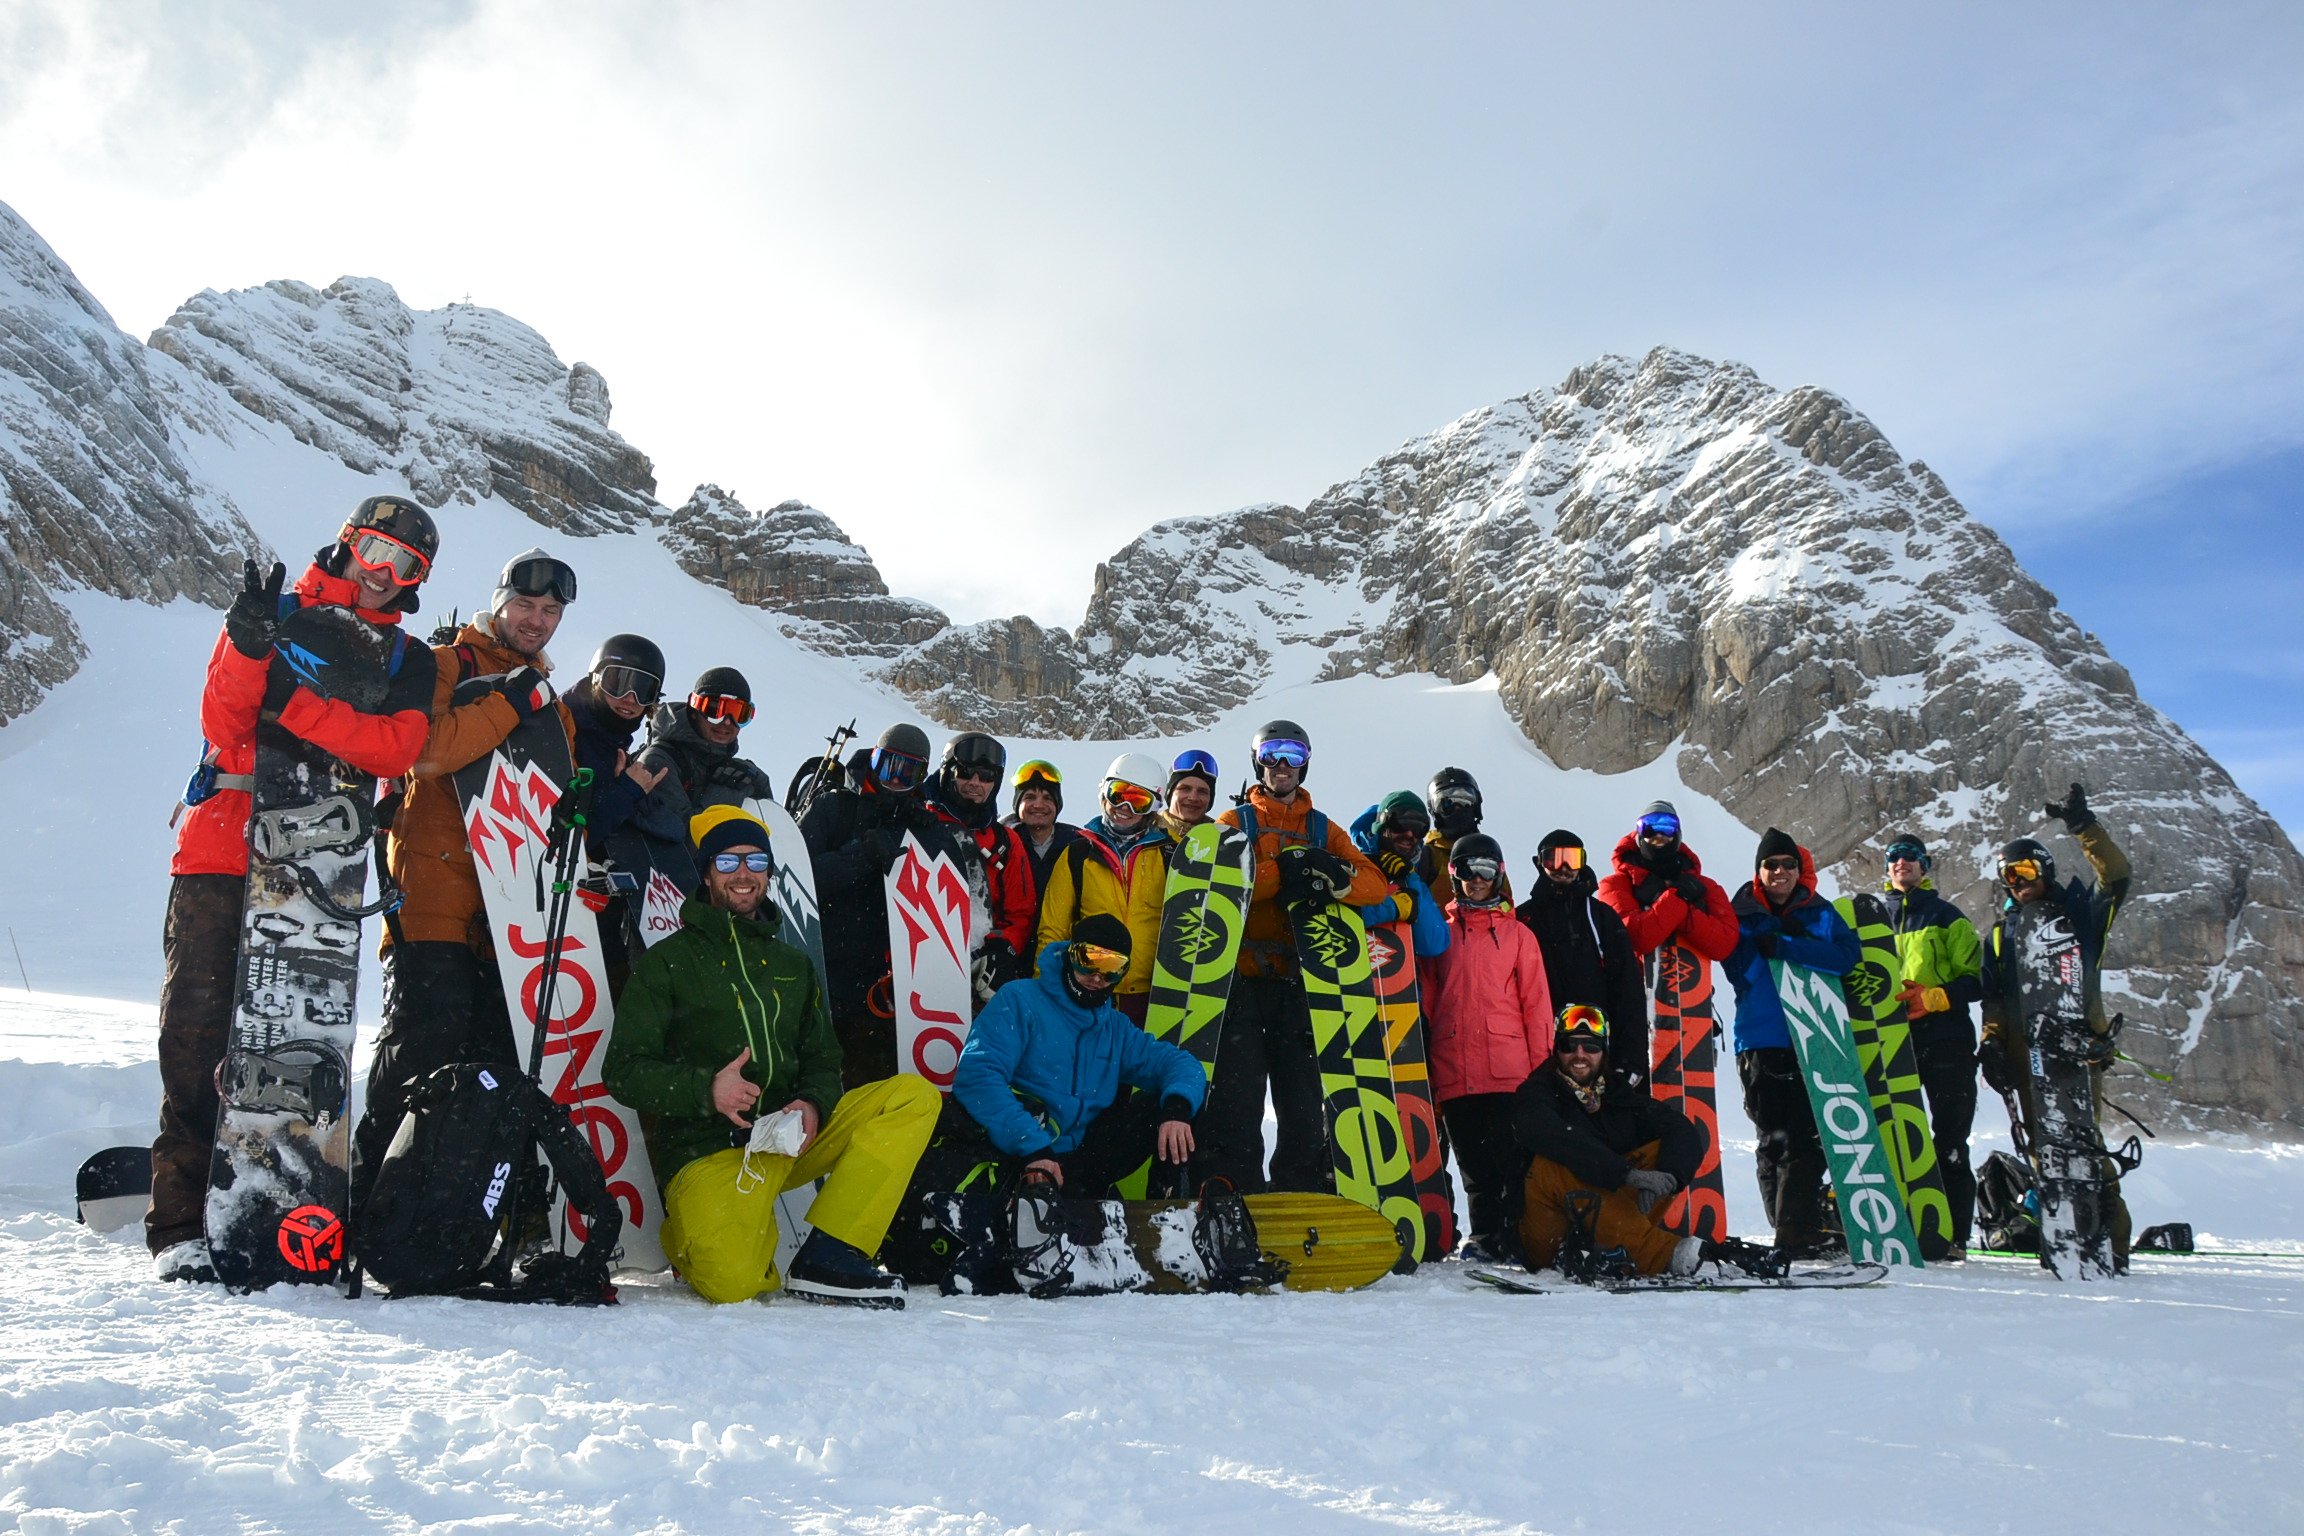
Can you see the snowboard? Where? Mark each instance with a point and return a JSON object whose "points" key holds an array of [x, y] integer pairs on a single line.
{"points": [[1835, 1277], [1683, 1049], [1872, 1213], [1311, 1242], [507, 799], [1368, 1147], [1883, 1037], [931, 914], [280, 1180], [2076, 1199], [1400, 1012], [114, 1188]]}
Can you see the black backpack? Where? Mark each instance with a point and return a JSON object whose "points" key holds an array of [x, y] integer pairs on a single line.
{"points": [[457, 1185], [2007, 1205]]}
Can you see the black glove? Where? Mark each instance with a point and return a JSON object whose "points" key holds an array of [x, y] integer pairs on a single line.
{"points": [[1992, 1062], [2073, 812], [1765, 941], [1651, 1185], [1395, 867], [881, 845], [528, 689], [253, 620], [1691, 889], [989, 971], [1311, 877]]}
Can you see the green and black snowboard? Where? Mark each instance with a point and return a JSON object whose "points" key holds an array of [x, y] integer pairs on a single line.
{"points": [[1883, 1036]]}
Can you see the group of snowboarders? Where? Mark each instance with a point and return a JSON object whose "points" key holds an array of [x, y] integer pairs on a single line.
{"points": [[1565, 1044]]}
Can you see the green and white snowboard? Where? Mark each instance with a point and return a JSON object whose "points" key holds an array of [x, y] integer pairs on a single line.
{"points": [[1871, 1205]]}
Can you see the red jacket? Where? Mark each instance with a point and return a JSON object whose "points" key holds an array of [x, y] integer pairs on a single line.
{"points": [[212, 839], [1654, 914], [1487, 1004]]}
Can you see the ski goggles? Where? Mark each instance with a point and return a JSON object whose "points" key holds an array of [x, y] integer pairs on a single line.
{"points": [[1038, 771], [1475, 869], [2020, 872], [1581, 1024], [1566, 856], [1193, 760], [379, 551], [1414, 826], [1095, 959], [1907, 853], [896, 770], [1459, 798], [618, 681], [1286, 753], [729, 863], [1659, 825], [723, 707], [542, 576], [1134, 796]]}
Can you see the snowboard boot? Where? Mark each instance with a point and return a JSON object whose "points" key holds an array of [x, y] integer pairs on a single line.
{"points": [[830, 1271], [187, 1260], [1060, 1247], [1224, 1237]]}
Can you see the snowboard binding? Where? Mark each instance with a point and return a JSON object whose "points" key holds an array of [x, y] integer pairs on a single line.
{"points": [[1224, 1239], [1581, 1257], [304, 1078], [1061, 1247]]}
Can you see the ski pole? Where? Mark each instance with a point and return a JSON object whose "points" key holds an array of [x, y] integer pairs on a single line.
{"points": [[20, 971]]}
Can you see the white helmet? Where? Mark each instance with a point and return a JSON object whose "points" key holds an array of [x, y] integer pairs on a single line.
{"points": [[1140, 770]]}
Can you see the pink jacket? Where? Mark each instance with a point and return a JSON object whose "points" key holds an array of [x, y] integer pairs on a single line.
{"points": [[1487, 1008]]}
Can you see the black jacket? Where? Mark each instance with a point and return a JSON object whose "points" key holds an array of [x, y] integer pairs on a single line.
{"points": [[1588, 958], [700, 774], [851, 888], [602, 738], [1549, 1121]]}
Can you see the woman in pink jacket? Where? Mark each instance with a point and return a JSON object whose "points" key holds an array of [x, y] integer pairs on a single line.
{"points": [[1488, 1017]]}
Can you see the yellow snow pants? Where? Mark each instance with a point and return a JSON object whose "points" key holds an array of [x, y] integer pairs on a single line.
{"points": [[720, 1214]]}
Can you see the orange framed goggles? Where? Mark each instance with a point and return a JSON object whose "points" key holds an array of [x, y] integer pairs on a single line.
{"points": [[1094, 959], [1566, 856], [721, 706], [379, 551], [2020, 872]]}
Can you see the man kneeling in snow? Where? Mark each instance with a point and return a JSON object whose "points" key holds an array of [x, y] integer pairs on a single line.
{"points": [[1621, 1156], [722, 1020]]}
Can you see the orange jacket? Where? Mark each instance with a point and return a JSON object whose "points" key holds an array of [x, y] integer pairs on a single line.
{"points": [[1268, 944], [439, 891], [212, 839]]}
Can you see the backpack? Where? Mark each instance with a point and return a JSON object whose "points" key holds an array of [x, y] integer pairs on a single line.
{"points": [[2007, 1205], [461, 1166]]}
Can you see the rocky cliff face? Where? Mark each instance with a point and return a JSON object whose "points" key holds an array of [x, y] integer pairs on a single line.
{"points": [[93, 493], [1668, 555]]}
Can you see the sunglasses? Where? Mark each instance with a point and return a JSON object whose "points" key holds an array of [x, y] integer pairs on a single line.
{"points": [[2021, 872], [1779, 865], [1569, 1044], [1287, 754], [378, 551], [721, 706], [1094, 959], [975, 773], [1564, 858], [618, 681], [1134, 796], [1476, 869], [1415, 829], [898, 770], [729, 863]]}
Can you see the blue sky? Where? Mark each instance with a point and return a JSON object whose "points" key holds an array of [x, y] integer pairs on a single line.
{"points": [[997, 285]]}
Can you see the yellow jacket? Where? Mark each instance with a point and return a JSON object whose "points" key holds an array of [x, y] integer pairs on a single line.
{"points": [[1089, 878]]}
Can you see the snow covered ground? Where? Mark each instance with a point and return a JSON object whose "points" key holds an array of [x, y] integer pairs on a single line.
{"points": [[1980, 1398]]}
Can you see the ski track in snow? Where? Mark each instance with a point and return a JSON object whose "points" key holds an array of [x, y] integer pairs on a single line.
{"points": [[1977, 1398]]}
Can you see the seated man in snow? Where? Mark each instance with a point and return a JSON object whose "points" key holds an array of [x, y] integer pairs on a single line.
{"points": [[1607, 1161], [1048, 1056], [723, 1022]]}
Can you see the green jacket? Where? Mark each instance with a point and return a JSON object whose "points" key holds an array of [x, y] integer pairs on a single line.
{"points": [[694, 1003], [1936, 946]]}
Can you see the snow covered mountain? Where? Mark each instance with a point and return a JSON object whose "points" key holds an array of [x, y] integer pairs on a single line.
{"points": [[1663, 569]]}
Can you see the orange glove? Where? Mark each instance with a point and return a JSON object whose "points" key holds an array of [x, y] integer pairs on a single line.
{"points": [[1920, 1001]]}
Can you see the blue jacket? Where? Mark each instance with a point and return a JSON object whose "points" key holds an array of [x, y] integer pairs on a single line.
{"points": [[1039, 1068], [1427, 924], [1808, 932]]}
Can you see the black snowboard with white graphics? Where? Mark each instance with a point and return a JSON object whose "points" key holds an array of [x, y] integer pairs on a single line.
{"points": [[279, 1182], [2076, 1196]]}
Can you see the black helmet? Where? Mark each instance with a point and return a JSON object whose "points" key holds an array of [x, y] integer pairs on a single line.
{"points": [[722, 683], [2024, 848], [628, 664], [1290, 742], [410, 540], [1476, 847], [1455, 801], [974, 749], [400, 518]]}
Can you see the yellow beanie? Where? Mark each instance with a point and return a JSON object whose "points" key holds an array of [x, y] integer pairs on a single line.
{"points": [[717, 828]]}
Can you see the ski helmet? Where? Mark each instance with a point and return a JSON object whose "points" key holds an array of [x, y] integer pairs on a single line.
{"points": [[1454, 800], [2025, 850], [974, 749], [723, 683], [388, 533], [1037, 774], [533, 573], [1282, 741], [1478, 855], [1100, 946], [900, 760], [628, 664]]}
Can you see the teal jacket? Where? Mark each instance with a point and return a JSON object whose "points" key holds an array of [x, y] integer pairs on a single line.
{"points": [[695, 1002]]}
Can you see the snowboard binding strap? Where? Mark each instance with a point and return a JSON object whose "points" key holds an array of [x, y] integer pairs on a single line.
{"points": [[337, 824], [305, 1078], [1224, 1238]]}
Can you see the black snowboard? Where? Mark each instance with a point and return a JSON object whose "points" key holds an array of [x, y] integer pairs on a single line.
{"points": [[115, 1188], [2076, 1190]]}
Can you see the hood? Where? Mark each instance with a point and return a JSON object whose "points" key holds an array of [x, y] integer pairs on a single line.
{"points": [[1050, 981], [1805, 890], [1478, 917], [958, 811], [317, 586], [673, 724], [1271, 813], [493, 654]]}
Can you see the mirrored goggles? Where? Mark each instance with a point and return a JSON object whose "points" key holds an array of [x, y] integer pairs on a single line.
{"points": [[898, 770], [1659, 826], [1094, 959], [618, 681], [379, 551], [1288, 754], [1460, 798], [1568, 856], [729, 863], [1906, 853], [2020, 871], [1475, 869], [1581, 1022], [722, 706], [1038, 770], [1193, 760], [542, 576], [1134, 796]]}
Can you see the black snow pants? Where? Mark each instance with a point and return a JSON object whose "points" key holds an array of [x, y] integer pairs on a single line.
{"points": [[1266, 1039], [1494, 1168], [443, 1003], [200, 959], [1789, 1157], [1944, 1049]]}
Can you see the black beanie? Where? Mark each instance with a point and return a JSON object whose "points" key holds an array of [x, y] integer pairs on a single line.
{"points": [[1104, 931], [1775, 844]]}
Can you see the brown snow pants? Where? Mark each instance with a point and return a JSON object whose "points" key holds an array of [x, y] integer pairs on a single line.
{"points": [[200, 960], [1618, 1223]]}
